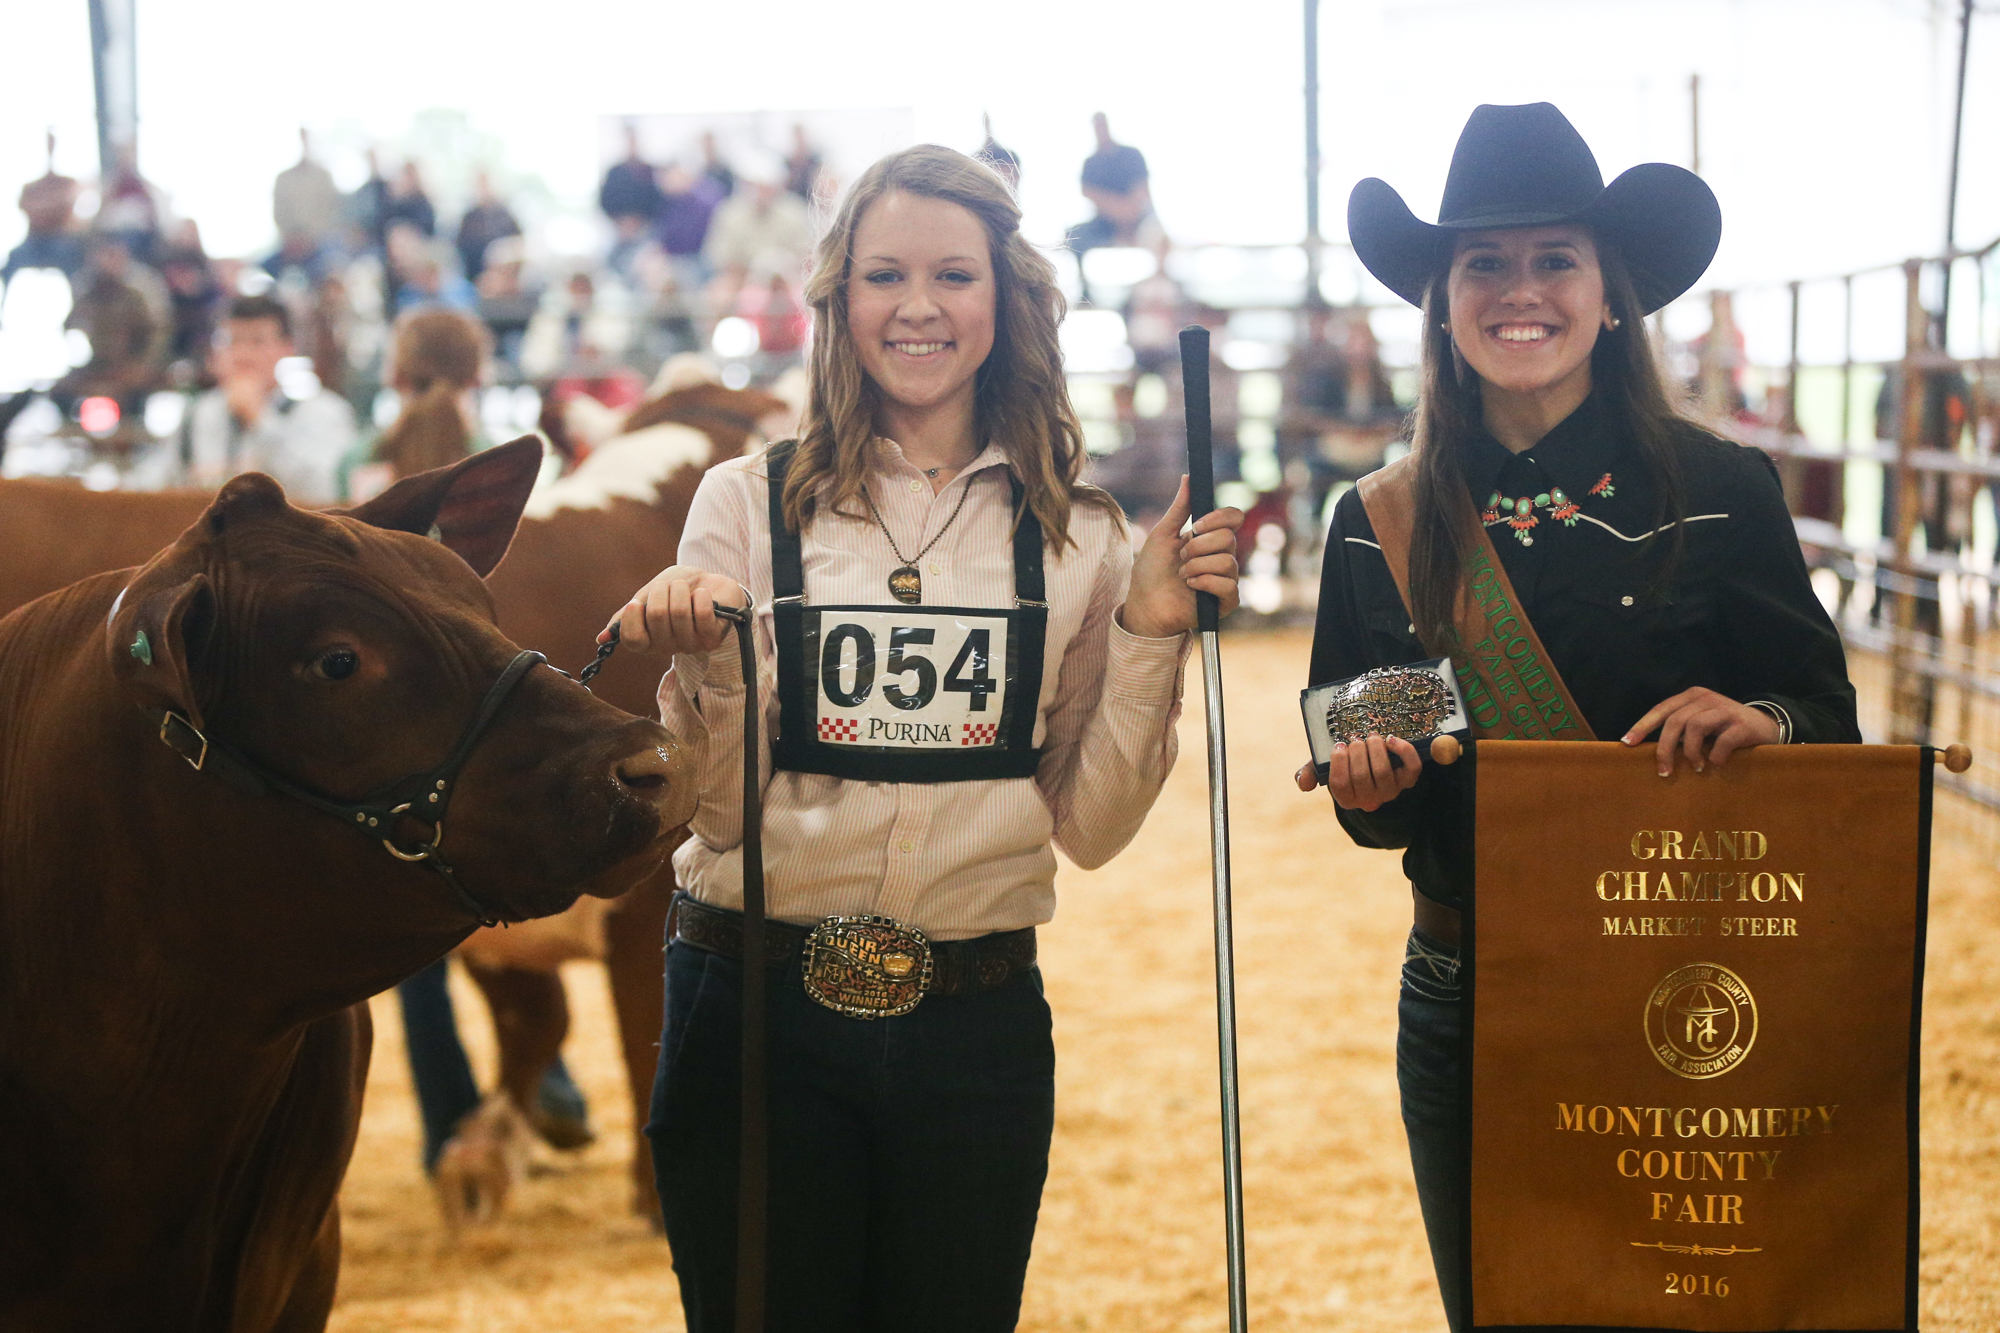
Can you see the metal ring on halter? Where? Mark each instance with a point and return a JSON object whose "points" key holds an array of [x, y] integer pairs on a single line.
{"points": [[425, 850]]}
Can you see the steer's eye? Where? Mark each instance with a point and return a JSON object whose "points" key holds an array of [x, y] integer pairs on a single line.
{"points": [[336, 664]]}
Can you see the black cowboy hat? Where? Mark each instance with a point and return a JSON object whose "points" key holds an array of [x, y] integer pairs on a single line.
{"points": [[1526, 166]]}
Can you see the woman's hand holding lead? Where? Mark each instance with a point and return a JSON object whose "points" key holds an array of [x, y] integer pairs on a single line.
{"points": [[1169, 569], [675, 612], [1706, 726]]}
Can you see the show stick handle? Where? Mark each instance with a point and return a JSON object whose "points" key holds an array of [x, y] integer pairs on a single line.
{"points": [[1201, 451]]}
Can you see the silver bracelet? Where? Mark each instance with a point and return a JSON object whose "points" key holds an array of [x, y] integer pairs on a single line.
{"points": [[1777, 714]]}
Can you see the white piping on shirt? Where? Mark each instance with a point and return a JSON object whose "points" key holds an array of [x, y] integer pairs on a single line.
{"points": [[1692, 518]]}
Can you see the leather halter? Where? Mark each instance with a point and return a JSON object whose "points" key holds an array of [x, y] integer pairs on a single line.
{"points": [[421, 797]]}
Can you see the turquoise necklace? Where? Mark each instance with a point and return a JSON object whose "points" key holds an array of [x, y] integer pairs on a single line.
{"points": [[1518, 512]]}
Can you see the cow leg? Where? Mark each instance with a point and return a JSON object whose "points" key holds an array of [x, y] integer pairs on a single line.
{"points": [[312, 1294], [530, 1020], [634, 954]]}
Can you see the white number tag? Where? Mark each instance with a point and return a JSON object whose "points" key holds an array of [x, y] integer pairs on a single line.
{"points": [[910, 680]]}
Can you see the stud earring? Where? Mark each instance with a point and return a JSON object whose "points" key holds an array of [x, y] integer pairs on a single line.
{"points": [[1615, 321]]}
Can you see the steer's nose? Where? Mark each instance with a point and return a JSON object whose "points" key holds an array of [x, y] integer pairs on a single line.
{"points": [[659, 775]]}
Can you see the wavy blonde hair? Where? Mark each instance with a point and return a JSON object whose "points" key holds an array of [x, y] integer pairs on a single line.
{"points": [[1021, 400]]}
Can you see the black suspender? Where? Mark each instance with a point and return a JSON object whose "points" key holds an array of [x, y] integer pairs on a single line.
{"points": [[797, 630]]}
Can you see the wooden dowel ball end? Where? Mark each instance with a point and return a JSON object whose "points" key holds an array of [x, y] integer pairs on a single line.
{"points": [[1446, 749], [1957, 758]]}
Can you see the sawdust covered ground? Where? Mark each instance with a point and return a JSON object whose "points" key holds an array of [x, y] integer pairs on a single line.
{"points": [[1131, 1234]]}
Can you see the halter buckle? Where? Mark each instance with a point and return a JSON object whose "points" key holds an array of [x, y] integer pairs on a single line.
{"points": [[196, 760]]}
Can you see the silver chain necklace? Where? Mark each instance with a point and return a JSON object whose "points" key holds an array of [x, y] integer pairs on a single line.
{"points": [[906, 585]]}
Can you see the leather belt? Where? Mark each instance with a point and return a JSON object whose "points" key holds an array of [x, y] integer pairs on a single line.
{"points": [[958, 967], [1436, 920]]}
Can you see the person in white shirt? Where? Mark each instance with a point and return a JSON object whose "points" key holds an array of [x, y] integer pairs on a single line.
{"points": [[247, 423], [964, 665], [761, 231]]}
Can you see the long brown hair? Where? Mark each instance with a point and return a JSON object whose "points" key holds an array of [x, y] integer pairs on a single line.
{"points": [[1625, 378], [436, 355], [1021, 400]]}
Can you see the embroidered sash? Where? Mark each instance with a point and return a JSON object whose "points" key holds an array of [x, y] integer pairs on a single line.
{"points": [[1511, 686]]}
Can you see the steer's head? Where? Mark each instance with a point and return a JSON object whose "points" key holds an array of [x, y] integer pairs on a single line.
{"points": [[347, 651]]}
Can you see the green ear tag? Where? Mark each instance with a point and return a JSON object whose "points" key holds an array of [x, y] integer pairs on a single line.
{"points": [[142, 649]]}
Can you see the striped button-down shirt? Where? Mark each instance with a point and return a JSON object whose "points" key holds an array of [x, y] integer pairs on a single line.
{"points": [[954, 859]]}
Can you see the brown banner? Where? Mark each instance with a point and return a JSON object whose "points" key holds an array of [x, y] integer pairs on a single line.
{"points": [[1694, 1017]]}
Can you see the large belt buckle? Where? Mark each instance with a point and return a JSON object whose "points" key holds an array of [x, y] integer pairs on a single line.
{"points": [[867, 966]]}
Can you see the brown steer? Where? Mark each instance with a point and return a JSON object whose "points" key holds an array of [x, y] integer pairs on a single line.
{"points": [[183, 961]]}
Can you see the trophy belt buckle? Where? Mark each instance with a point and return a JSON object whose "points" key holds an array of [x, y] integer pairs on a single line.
{"points": [[867, 966]]}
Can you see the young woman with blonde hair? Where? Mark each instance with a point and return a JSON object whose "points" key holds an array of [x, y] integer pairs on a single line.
{"points": [[965, 666]]}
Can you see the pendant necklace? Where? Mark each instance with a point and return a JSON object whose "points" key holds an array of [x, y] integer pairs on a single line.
{"points": [[906, 585]]}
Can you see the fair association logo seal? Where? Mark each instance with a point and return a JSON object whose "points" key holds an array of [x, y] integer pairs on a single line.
{"points": [[1701, 1020]]}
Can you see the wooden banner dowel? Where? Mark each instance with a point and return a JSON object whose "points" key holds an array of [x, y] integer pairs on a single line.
{"points": [[1446, 750], [1955, 758]]}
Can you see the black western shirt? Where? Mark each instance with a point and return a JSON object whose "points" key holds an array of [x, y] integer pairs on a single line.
{"points": [[1738, 615]]}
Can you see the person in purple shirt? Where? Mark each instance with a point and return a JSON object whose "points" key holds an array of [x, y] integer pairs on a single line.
{"points": [[687, 202]]}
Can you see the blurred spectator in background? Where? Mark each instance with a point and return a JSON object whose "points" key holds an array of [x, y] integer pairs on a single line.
{"points": [[687, 207], [672, 291], [760, 230], [1116, 183], [248, 423], [781, 319], [507, 300], [487, 221], [126, 324], [367, 208], [579, 330], [428, 274], [409, 203], [1339, 413], [437, 358], [1720, 355], [714, 165], [1002, 159], [802, 165], [305, 205], [329, 333], [54, 240], [630, 197], [195, 296], [129, 208], [1154, 314]]}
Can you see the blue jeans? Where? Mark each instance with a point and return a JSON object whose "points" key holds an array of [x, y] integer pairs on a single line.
{"points": [[907, 1154], [446, 1089], [1429, 1059]]}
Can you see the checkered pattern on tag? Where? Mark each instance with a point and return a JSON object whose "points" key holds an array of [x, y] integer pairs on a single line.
{"points": [[840, 728], [979, 733]]}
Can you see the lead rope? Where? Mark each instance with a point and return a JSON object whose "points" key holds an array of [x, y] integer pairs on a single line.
{"points": [[753, 1158], [753, 1155]]}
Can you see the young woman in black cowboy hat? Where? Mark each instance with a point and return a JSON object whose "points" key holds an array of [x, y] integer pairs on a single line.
{"points": [[1656, 561]]}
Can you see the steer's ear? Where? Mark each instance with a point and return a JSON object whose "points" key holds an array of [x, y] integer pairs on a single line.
{"points": [[472, 506], [158, 628]]}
